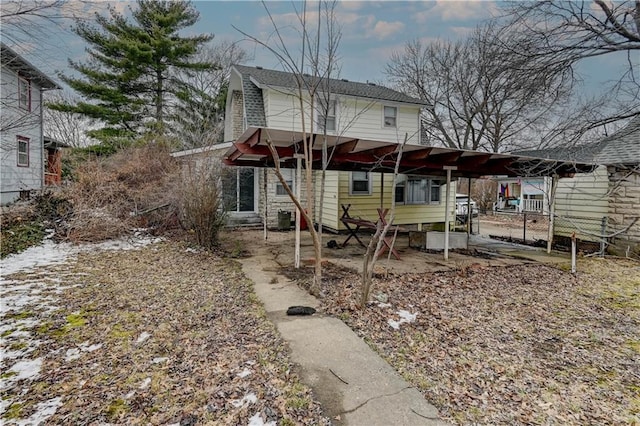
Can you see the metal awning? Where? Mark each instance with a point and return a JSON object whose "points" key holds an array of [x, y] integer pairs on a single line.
{"points": [[351, 154]]}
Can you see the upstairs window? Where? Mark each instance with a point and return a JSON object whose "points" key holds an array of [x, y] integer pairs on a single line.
{"points": [[24, 94], [327, 115], [360, 183], [390, 116], [287, 174], [23, 151]]}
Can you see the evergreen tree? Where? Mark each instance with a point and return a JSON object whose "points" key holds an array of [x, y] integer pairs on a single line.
{"points": [[128, 82]]}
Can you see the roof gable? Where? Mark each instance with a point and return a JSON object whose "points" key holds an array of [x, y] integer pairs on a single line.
{"points": [[288, 80], [12, 60]]}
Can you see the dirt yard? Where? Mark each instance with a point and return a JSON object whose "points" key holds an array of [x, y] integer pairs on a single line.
{"points": [[163, 334], [526, 344]]}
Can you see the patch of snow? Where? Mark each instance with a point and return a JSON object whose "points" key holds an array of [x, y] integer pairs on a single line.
{"points": [[159, 360], [24, 370], [48, 253], [256, 420], [143, 336], [71, 354], [384, 305], [249, 398], [244, 373], [405, 317], [145, 383], [44, 410], [130, 395], [191, 250]]}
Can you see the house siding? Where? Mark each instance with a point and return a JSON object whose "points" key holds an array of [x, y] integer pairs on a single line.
{"points": [[410, 216], [581, 202], [356, 118], [624, 209], [20, 122]]}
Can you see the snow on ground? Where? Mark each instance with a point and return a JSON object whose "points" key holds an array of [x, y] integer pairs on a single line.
{"points": [[405, 317], [21, 299]]}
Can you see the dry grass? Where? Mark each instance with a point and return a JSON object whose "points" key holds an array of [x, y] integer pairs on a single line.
{"points": [[519, 345], [209, 344]]}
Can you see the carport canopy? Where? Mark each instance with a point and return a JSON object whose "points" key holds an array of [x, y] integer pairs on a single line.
{"points": [[351, 154]]}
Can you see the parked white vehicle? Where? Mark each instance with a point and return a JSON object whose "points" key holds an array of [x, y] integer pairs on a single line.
{"points": [[462, 203]]}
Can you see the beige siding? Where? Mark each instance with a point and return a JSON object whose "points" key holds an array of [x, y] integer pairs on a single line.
{"points": [[409, 215], [584, 195], [355, 117], [331, 209]]}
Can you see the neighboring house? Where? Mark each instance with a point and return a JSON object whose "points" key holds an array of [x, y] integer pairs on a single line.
{"points": [[53, 161], [522, 195], [610, 195], [21, 136], [262, 98]]}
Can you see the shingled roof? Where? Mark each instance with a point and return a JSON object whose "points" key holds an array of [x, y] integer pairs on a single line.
{"points": [[622, 147], [14, 61], [274, 78]]}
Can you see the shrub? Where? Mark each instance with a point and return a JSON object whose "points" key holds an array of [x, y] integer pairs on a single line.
{"points": [[201, 208]]}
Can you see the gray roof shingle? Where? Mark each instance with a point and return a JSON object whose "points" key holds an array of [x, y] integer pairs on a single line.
{"points": [[253, 104], [341, 87], [622, 147]]}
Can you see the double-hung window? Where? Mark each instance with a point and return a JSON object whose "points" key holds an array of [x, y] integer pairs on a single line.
{"points": [[390, 116], [24, 94], [287, 174], [327, 117], [417, 190], [23, 151], [360, 183]]}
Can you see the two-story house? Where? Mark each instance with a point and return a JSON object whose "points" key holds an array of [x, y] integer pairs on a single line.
{"points": [[259, 98], [22, 147]]}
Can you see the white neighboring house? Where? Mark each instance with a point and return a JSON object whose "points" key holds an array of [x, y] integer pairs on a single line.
{"points": [[22, 147]]}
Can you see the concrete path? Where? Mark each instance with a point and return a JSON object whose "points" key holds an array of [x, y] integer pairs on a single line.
{"points": [[354, 385]]}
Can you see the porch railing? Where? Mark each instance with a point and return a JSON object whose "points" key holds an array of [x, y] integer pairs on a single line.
{"points": [[533, 205]]}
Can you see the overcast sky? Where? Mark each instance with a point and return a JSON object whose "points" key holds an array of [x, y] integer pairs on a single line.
{"points": [[371, 31]]}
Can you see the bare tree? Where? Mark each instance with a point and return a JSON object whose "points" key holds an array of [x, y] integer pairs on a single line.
{"points": [[565, 33], [66, 126], [199, 113], [479, 96], [312, 70]]}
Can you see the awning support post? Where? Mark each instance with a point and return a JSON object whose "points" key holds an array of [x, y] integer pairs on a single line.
{"points": [[446, 211]]}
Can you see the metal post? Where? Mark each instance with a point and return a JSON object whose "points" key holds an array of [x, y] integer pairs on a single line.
{"points": [[603, 235], [469, 212], [446, 211], [524, 228], [573, 253]]}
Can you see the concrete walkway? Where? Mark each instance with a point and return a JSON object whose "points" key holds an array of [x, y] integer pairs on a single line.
{"points": [[354, 385]]}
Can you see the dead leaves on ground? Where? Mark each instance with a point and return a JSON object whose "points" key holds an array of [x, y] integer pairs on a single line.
{"points": [[177, 337], [521, 345]]}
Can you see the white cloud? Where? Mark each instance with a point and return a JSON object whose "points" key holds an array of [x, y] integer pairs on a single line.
{"points": [[455, 10], [383, 29]]}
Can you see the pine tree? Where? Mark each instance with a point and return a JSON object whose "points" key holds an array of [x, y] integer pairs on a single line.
{"points": [[128, 81]]}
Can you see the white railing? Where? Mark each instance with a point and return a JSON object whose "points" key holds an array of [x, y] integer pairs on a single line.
{"points": [[533, 206]]}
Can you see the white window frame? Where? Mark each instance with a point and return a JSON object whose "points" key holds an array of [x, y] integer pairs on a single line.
{"points": [[291, 181], [360, 192], [23, 154], [24, 94], [433, 188], [320, 117], [384, 117]]}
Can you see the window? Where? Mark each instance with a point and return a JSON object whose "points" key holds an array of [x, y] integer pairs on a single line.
{"points": [[327, 115], [24, 94], [23, 151], [287, 174], [360, 183], [390, 116], [417, 190]]}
